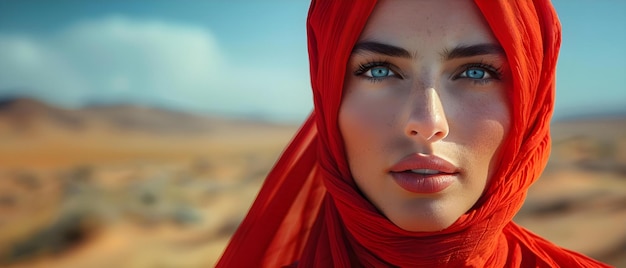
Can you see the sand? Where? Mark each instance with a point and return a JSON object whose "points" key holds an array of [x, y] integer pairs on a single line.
{"points": [[169, 189]]}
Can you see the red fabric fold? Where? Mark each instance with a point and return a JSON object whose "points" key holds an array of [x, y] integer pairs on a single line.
{"points": [[309, 212]]}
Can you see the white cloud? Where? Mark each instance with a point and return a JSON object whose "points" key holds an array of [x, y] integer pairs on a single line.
{"points": [[28, 65], [118, 58]]}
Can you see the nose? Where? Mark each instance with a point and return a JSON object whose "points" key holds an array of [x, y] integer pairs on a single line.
{"points": [[427, 119]]}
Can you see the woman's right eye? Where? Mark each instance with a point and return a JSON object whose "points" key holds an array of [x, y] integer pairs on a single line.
{"points": [[376, 71], [379, 72]]}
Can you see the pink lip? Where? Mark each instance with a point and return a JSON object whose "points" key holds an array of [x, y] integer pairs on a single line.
{"points": [[424, 183]]}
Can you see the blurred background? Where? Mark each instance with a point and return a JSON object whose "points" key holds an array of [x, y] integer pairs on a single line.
{"points": [[137, 133]]}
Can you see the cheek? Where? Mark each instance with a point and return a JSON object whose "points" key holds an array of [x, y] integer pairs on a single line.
{"points": [[366, 126], [481, 127], [366, 119], [496, 119], [355, 131], [357, 126]]}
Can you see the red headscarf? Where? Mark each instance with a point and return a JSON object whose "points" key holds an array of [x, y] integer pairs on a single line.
{"points": [[309, 212]]}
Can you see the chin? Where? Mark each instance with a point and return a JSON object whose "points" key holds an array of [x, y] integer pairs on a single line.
{"points": [[424, 224]]}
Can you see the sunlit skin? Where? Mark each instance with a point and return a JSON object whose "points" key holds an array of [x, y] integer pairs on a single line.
{"points": [[426, 78]]}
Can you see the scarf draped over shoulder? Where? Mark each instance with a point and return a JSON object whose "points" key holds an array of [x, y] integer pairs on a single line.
{"points": [[309, 212]]}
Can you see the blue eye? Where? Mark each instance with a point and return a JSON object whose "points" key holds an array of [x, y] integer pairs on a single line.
{"points": [[379, 72], [480, 73], [475, 73]]}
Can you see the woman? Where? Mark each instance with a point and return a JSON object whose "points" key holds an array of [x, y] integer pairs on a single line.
{"points": [[431, 121]]}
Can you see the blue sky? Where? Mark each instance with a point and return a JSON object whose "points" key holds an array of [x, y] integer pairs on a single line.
{"points": [[240, 59]]}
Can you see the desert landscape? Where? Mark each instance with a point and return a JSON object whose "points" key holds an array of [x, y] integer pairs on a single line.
{"points": [[132, 186]]}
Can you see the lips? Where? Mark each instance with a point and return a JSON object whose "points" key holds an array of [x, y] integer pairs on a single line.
{"points": [[424, 174]]}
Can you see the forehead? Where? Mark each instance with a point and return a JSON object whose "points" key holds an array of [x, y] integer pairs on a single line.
{"points": [[427, 21]]}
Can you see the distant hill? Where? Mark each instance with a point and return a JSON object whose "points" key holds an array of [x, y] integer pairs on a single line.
{"points": [[609, 126], [24, 115], [28, 114]]}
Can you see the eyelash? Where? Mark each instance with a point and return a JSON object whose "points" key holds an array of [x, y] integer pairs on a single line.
{"points": [[494, 72], [363, 68]]}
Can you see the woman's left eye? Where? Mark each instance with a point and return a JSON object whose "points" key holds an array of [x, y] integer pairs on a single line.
{"points": [[479, 72], [475, 73]]}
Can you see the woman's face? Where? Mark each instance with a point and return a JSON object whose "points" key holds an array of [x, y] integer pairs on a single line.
{"points": [[424, 110]]}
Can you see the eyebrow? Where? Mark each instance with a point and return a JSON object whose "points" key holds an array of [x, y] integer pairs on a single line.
{"points": [[380, 48], [464, 51], [460, 51]]}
